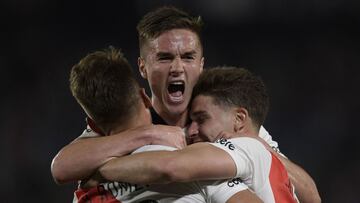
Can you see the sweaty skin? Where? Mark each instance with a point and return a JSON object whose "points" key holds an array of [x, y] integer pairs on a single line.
{"points": [[163, 60], [175, 57]]}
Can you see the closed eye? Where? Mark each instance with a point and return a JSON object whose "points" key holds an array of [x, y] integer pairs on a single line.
{"points": [[189, 56], [164, 56], [199, 117]]}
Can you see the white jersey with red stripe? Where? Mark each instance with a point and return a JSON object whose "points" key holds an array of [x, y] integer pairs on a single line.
{"points": [[259, 169], [127, 192], [192, 192], [212, 191]]}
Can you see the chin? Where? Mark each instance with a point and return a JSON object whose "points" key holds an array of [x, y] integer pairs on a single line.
{"points": [[177, 109]]}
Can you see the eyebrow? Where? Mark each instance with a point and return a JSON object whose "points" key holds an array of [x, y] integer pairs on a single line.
{"points": [[167, 54], [164, 54], [189, 53], [198, 113]]}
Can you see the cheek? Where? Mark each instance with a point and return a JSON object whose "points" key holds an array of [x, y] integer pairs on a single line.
{"points": [[193, 74], [157, 73], [228, 124], [216, 130], [156, 79], [211, 130]]}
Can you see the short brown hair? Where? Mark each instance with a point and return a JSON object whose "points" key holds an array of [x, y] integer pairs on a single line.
{"points": [[231, 86], [103, 83], [164, 19]]}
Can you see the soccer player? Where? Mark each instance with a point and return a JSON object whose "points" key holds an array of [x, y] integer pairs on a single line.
{"points": [[104, 85], [229, 101], [171, 59]]}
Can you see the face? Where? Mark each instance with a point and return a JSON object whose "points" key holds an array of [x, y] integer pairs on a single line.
{"points": [[172, 64], [209, 119]]}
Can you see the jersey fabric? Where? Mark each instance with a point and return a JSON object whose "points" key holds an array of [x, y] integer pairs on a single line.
{"points": [[259, 169], [156, 118], [126, 192], [211, 191], [192, 192], [220, 191]]}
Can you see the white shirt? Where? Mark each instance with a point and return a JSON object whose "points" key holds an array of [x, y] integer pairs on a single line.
{"points": [[259, 169]]}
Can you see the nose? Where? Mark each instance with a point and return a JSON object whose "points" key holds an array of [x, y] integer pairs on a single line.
{"points": [[177, 67], [193, 130]]}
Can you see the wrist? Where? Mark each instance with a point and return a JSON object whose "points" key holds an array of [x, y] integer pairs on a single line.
{"points": [[150, 136]]}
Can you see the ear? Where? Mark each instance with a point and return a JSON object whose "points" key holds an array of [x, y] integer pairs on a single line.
{"points": [[141, 65], [202, 64], [241, 117], [145, 98], [93, 126]]}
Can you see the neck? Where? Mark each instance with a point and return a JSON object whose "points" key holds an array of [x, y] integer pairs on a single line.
{"points": [[248, 131], [141, 118], [173, 119]]}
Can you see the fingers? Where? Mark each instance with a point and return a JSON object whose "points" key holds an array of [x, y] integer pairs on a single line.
{"points": [[169, 135]]}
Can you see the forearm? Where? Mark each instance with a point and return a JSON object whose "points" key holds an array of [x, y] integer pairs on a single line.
{"points": [[192, 163], [141, 168], [305, 187], [81, 158]]}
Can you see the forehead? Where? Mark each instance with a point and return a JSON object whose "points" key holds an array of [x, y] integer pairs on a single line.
{"points": [[203, 103], [175, 40]]}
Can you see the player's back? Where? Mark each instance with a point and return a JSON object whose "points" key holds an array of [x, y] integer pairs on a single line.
{"points": [[111, 192]]}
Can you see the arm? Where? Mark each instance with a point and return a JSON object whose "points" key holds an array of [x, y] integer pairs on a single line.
{"points": [[305, 187], [81, 158], [230, 191], [244, 197], [196, 162]]}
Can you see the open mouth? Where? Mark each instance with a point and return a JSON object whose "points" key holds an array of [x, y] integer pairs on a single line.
{"points": [[176, 90]]}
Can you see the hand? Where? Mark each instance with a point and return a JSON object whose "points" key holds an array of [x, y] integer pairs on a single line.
{"points": [[172, 136]]}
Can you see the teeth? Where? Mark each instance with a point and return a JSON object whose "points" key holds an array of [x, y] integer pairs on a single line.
{"points": [[176, 88], [177, 83]]}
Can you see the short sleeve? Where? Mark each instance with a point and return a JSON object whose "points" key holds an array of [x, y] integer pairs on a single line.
{"points": [[251, 158], [148, 148], [222, 190], [265, 135]]}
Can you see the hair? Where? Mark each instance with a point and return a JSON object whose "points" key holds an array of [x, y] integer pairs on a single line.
{"points": [[104, 85], [163, 19], [231, 86]]}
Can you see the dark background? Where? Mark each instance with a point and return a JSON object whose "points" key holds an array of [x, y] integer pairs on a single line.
{"points": [[306, 52]]}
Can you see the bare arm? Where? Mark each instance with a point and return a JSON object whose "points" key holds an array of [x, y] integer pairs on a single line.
{"points": [[81, 158], [305, 187], [196, 162], [244, 196]]}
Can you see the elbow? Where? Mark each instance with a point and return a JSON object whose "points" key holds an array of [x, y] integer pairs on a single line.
{"points": [[312, 197], [57, 172], [61, 172], [316, 198]]}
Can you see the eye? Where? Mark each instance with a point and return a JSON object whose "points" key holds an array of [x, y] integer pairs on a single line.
{"points": [[188, 57], [201, 120], [164, 58]]}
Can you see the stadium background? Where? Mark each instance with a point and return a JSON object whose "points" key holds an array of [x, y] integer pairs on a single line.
{"points": [[307, 52]]}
